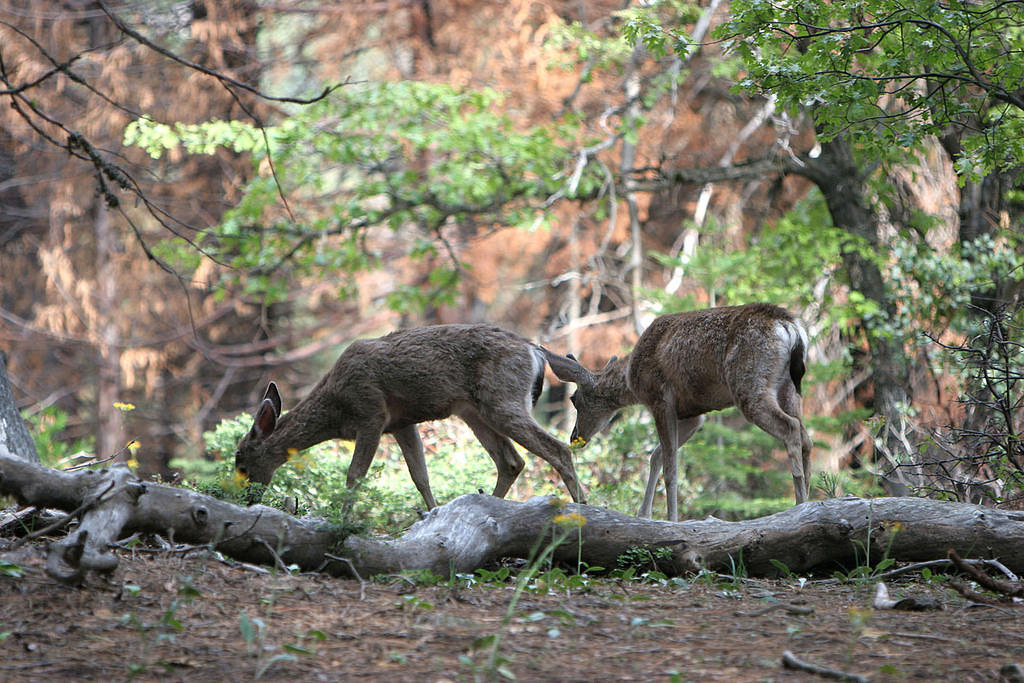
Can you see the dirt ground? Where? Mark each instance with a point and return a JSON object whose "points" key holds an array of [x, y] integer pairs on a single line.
{"points": [[162, 616]]}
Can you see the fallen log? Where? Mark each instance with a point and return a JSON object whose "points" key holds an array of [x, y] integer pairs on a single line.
{"points": [[477, 530]]}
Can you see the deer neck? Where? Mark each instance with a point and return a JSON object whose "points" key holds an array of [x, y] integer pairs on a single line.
{"points": [[307, 424], [613, 383]]}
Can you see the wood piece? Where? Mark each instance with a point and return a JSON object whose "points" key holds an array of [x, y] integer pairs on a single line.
{"points": [[790, 661], [477, 530]]}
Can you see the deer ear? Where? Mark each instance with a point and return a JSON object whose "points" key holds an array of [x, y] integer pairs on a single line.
{"points": [[274, 396], [566, 368], [266, 420]]}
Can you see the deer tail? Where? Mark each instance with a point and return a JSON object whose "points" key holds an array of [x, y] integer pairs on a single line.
{"points": [[797, 354], [539, 364]]}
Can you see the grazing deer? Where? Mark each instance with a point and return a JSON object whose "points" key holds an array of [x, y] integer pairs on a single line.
{"points": [[687, 364], [487, 376]]}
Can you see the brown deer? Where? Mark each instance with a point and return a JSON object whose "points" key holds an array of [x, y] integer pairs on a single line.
{"points": [[489, 377], [687, 364]]}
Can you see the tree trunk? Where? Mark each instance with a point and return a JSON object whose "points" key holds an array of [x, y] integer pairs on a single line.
{"points": [[477, 530], [842, 182], [14, 434], [109, 430], [982, 211]]}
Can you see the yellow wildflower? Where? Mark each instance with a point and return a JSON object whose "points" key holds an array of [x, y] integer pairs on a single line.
{"points": [[123, 407], [572, 519]]}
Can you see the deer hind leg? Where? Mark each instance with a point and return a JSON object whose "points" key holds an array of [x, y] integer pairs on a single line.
{"points": [[522, 429], [408, 439], [790, 402], [508, 462], [765, 412]]}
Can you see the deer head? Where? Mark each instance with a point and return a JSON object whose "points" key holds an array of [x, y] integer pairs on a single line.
{"points": [[598, 396], [250, 461]]}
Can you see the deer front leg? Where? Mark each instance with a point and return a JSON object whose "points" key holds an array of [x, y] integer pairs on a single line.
{"points": [[367, 441], [408, 439], [684, 430], [647, 506], [668, 435]]}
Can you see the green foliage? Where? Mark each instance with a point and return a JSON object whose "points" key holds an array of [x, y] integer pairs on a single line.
{"points": [[574, 45], [889, 75], [47, 427], [934, 288], [658, 27], [10, 569], [860, 483], [783, 568], [865, 571], [315, 481], [643, 559], [794, 262], [405, 155]]}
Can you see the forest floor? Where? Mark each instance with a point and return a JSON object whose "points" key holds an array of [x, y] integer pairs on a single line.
{"points": [[165, 616]]}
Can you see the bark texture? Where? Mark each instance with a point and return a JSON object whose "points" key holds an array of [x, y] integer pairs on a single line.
{"points": [[476, 530], [13, 432]]}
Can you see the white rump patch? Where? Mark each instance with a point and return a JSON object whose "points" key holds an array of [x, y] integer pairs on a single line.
{"points": [[790, 333]]}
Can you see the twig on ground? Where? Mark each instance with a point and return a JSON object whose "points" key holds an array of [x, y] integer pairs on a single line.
{"points": [[790, 661], [974, 596], [1010, 589], [791, 609], [278, 562], [352, 567], [922, 565]]}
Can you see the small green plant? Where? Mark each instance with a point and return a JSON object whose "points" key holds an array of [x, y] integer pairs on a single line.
{"points": [[827, 483], [47, 427], [412, 604], [496, 576], [643, 559], [864, 571], [163, 630], [11, 569], [563, 526], [861, 483], [782, 567], [254, 633]]}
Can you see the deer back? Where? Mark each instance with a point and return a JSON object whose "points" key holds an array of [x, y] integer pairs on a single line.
{"points": [[704, 357], [425, 373]]}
